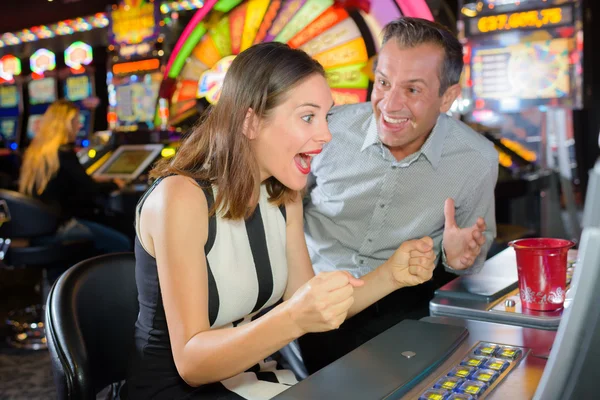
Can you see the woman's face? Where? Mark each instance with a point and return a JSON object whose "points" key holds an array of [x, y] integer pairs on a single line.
{"points": [[294, 132], [75, 127]]}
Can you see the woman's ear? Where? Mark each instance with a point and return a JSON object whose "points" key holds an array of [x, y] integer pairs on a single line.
{"points": [[250, 128]]}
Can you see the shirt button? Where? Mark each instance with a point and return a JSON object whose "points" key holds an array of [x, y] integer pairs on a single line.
{"points": [[362, 261], [394, 166], [382, 205], [370, 240]]}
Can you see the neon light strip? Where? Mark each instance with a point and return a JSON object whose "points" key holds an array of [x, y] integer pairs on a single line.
{"points": [[186, 50], [415, 8], [187, 32], [184, 5], [82, 24]]}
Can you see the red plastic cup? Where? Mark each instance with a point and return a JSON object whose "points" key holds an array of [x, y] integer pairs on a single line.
{"points": [[542, 271]]}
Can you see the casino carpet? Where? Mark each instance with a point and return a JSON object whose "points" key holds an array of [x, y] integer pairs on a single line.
{"points": [[24, 375]]}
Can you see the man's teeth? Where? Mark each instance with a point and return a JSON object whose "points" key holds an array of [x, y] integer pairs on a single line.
{"points": [[394, 120]]}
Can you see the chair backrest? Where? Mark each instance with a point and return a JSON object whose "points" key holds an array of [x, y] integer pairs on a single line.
{"points": [[90, 319], [29, 217]]}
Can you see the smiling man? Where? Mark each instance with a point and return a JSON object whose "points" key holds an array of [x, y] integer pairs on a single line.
{"points": [[399, 168]]}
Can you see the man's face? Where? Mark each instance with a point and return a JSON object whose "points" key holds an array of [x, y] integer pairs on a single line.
{"points": [[405, 98]]}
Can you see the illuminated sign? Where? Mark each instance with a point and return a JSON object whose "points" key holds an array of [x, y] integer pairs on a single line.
{"points": [[134, 21], [136, 66], [41, 61], [9, 66], [78, 54], [534, 19]]}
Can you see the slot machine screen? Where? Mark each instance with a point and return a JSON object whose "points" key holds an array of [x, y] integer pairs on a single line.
{"points": [[8, 128], [528, 71], [32, 125], [42, 91], [9, 96], [129, 161], [78, 87], [136, 98]]}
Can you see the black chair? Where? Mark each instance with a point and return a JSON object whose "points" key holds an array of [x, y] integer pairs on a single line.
{"points": [[27, 242], [90, 318]]}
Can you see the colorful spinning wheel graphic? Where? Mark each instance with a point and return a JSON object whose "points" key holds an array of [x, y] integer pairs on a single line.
{"points": [[335, 33]]}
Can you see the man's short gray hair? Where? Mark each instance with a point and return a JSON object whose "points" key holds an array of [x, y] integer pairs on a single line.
{"points": [[412, 32]]}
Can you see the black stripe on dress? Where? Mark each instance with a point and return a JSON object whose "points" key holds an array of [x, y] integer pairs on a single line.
{"points": [[267, 376], [212, 391], [213, 292], [213, 296], [260, 254]]}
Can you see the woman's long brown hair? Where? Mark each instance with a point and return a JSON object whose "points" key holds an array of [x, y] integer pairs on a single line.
{"points": [[217, 151]]}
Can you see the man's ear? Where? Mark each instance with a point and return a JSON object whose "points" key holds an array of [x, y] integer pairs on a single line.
{"points": [[449, 96], [250, 128]]}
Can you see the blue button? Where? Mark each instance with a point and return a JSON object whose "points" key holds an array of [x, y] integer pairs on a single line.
{"points": [[462, 371], [496, 364], [474, 361], [449, 383], [434, 394], [508, 352], [474, 388], [486, 349], [485, 375], [460, 396]]}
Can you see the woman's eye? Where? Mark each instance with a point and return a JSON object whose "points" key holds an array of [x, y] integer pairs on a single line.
{"points": [[308, 118]]}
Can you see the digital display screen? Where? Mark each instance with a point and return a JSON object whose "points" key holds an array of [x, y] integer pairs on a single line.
{"points": [[136, 100], [32, 125], [9, 96], [8, 128], [531, 70], [42, 91], [127, 162], [533, 19], [78, 87]]}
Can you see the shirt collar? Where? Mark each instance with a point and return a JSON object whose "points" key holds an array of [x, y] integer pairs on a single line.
{"points": [[432, 148], [370, 126], [434, 145]]}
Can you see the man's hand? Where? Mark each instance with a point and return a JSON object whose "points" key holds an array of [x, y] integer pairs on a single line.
{"points": [[462, 245], [412, 263]]}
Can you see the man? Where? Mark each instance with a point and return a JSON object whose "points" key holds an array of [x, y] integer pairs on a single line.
{"points": [[399, 168]]}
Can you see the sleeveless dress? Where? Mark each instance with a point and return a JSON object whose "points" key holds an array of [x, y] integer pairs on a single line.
{"points": [[247, 275]]}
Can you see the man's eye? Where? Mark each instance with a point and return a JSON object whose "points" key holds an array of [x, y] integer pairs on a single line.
{"points": [[382, 82], [308, 118], [327, 116]]}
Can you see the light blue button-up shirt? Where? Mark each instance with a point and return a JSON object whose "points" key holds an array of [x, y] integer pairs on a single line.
{"points": [[362, 203]]}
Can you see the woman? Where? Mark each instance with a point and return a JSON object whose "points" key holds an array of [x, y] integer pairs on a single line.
{"points": [[220, 241], [52, 173]]}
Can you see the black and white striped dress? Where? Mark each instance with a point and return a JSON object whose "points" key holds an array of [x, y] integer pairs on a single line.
{"points": [[247, 272]]}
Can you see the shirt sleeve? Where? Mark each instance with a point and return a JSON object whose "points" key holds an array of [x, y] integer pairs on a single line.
{"points": [[480, 202]]}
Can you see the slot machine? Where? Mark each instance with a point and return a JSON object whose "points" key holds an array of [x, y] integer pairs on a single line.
{"points": [[78, 86], [11, 102], [523, 78], [42, 88], [135, 63]]}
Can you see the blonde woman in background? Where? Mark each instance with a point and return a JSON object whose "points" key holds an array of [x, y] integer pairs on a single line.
{"points": [[52, 173]]}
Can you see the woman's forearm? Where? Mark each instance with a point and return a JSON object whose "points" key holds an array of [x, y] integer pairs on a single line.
{"points": [[218, 354]]}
